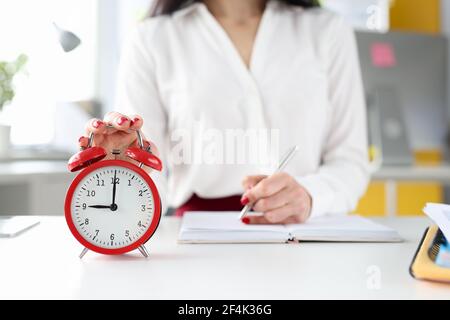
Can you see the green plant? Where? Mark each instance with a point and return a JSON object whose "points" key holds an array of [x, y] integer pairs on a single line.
{"points": [[7, 72]]}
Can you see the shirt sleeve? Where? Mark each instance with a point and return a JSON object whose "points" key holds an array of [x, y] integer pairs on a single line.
{"points": [[137, 93], [343, 175]]}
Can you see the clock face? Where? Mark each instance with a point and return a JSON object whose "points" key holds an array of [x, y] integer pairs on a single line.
{"points": [[113, 207]]}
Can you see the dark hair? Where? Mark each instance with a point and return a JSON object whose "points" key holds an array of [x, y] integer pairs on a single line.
{"points": [[162, 7]]}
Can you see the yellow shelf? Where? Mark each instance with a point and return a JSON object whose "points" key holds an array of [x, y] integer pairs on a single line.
{"points": [[416, 16], [410, 196]]}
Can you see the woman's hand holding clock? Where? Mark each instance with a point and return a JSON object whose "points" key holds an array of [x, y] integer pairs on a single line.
{"points": [[115, 132], [117, 186]]}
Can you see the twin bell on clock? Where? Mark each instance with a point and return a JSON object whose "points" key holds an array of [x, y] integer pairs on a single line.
{"points": [[113, 206]]}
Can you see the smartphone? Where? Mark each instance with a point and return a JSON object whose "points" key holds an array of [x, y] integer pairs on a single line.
{"points": [[12, 226]]}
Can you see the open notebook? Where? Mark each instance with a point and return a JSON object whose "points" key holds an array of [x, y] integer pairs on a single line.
{"points": [[225, 227]]}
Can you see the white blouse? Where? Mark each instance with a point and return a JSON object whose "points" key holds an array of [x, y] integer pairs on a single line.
{"points": [[184, 76]]}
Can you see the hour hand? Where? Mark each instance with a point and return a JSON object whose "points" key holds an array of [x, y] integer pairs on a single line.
{"points": [[100, 207]]}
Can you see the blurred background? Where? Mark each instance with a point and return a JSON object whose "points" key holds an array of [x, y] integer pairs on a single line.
{"points": [[58, 63]]}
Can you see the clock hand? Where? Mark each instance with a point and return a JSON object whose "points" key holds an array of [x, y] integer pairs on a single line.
{"points": [[100, 207], [113, 206]]}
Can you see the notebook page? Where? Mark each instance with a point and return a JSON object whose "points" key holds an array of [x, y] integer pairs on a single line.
{"points": [[440, 214], [223, 221], [343, 228], [226, 227]]}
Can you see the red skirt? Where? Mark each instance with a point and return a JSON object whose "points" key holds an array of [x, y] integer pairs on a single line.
{"points": [[195, 203]]}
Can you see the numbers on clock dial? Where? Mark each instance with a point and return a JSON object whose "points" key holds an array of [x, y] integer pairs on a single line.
{"points": [[107, 222]]}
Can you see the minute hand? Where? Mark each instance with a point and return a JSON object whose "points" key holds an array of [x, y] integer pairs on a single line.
{"points": [[114, 191]]}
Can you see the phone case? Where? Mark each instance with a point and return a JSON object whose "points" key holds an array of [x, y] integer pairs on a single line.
{"points": [[423, 266]]}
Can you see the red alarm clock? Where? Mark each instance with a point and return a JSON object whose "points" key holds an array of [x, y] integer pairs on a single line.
{"points": [[113, 206]]}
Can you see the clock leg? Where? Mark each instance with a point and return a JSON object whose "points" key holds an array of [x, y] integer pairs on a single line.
{"points": [[83, 253], [143, 250]]}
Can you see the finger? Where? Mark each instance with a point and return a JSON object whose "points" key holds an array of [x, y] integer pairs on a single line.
{"points": [[95, 126], [284, 215], [267, 187], [110, 116], [250, 181], [278, 200], [290, 219], [281, 215], [83, 142], [136, 122], [296, 219], [146, 144], [118, 121], [255, 220]]}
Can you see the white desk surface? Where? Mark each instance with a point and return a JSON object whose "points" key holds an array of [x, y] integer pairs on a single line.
{"points": [[43, 263]]}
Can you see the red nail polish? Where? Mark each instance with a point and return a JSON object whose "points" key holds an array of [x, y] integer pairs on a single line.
{"points": [[245, 201], [133, 122], [97, 123], [246, 220], [121, 121]]}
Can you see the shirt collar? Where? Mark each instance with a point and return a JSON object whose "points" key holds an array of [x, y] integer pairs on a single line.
{"points": [[188, 10], [199, 5]]}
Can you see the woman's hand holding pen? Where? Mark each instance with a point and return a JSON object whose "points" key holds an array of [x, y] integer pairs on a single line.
{"points": [[115, 131], [280, 197]]}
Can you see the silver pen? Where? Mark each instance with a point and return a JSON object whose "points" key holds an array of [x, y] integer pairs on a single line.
{"points": [[284, 161]]}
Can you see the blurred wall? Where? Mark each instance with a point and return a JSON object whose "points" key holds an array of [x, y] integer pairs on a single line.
{"points": [[418, 16]]}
